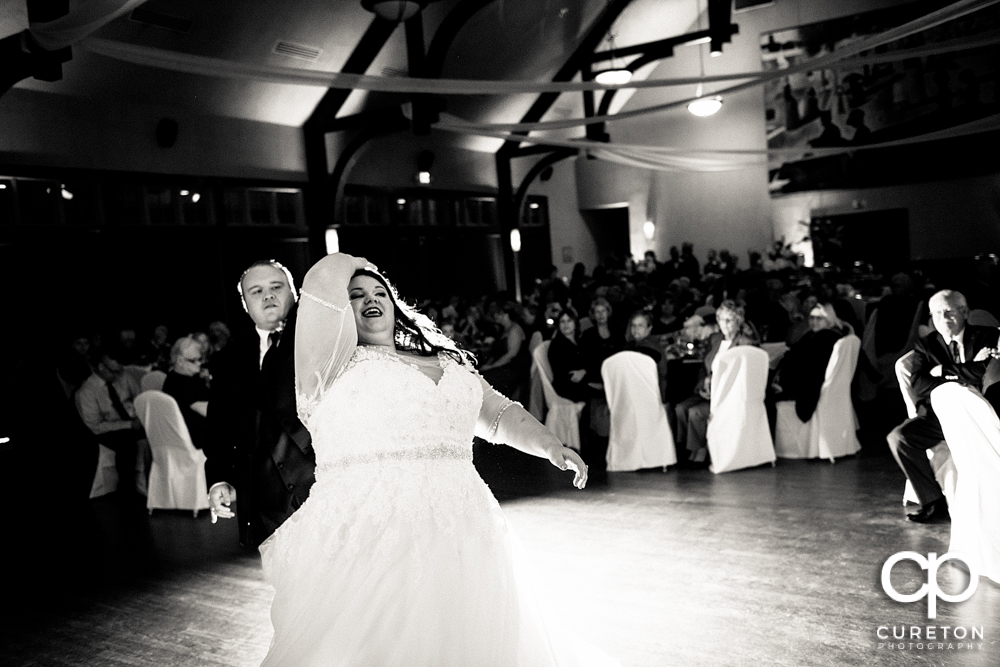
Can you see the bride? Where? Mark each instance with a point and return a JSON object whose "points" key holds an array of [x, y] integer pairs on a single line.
{"points": [[401, 555]]}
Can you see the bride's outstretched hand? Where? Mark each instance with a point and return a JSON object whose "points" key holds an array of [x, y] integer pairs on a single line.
{"points": [[568, 459]]}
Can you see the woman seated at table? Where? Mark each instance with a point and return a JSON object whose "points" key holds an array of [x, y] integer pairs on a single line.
{"points": [[509, 363], [692, 413], [639, 338], [599, 341], [570, 377], [668, 322], [802, 370], [189, 387]]}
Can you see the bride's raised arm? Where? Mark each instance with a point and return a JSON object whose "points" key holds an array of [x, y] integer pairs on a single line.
{"points": [[325, 333]]}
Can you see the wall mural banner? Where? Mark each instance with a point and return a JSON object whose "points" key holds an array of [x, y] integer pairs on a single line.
{"points": [[881, 102]]}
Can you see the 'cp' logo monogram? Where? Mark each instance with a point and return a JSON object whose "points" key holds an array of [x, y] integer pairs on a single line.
{"points": [[930, 589]]}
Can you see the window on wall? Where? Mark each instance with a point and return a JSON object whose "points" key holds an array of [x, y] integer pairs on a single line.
{"points": [[117, 202], [419, 208], [263, 207]]}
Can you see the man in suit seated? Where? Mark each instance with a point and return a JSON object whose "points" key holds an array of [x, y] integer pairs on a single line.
{"points": [[105, 403], [259, 448], [954, 352]]}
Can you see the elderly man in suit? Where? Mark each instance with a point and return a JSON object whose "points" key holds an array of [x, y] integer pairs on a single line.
{"points": [[259, 449], [954, 352]]}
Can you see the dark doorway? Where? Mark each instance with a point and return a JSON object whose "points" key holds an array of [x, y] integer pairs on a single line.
{"points": [[609, 227]]}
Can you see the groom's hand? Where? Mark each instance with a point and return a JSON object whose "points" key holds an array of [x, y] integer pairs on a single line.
{"points": [[220, 497]]}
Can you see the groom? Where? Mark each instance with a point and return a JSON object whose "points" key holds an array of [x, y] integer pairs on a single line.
{"points": [[259, 448]]}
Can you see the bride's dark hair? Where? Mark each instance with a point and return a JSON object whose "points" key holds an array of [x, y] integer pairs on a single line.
{"points": [[414, 331]]}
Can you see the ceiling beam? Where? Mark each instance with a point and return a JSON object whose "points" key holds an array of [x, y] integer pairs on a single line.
{"points": [[446, 33], [369, 46], [577, 61]]}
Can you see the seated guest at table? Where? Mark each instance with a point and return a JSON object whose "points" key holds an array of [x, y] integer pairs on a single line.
{"points": [[218, 335], [954, 352], [186, 384], [599, 341], [802, 370], [105, 403], [668, 322], [570, 377], [639, 338], [509, 364], [156, 353], [692, 413]]}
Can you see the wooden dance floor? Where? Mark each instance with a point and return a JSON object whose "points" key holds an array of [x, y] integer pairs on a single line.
{"points": [[769, 566]]}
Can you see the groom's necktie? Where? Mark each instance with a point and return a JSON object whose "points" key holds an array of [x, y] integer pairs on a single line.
{"points": [[955, 354], [116, 401]]}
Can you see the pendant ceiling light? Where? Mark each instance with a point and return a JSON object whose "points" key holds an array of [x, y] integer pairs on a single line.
{"points": [[703, 106], [394, 10], [614, 75]]}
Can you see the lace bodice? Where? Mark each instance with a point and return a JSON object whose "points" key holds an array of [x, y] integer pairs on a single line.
{"points": [[380, 407], [376, 396]]}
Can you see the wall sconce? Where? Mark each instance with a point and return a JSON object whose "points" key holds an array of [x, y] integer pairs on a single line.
{"points": [[649, 230], [332, 241], [515, 240], [424, 177]]}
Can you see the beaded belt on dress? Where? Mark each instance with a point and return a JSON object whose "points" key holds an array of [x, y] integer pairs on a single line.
{"points": [[440, 452]]}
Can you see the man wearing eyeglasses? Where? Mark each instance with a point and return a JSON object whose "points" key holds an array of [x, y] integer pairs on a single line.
{"points": [[105, 403], [260, 453]]}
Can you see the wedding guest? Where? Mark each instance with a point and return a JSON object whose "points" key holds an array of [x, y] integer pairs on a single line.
{"points": [[954, 352], [105, 403], [509, 364], [127, 350], [218, 336], [570, 378], [667, 322], [692, 413], [639, 338], [599, 341], [802, 370], [186, 384], [156, 354], [448, 329]]}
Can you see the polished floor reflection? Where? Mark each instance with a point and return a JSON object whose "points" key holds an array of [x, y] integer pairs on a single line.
{"points": [[769, 566]]}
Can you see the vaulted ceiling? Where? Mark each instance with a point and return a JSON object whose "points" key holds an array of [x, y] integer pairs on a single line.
{"points": [[503, 40]]}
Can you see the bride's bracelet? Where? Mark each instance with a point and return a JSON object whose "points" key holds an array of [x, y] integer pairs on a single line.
{"points": [[496, 422]]}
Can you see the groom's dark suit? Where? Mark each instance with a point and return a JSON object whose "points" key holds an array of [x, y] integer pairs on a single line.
{"points": [[910, 440], [259, 445]]}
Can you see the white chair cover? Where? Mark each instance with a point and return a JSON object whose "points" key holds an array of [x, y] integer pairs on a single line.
{"points": [[940, 457], [972, 430], [536, 394], [640, 435], [153, 380], [106, 477], [177, 476], [738, 432], [563, 415], [832, 430]]}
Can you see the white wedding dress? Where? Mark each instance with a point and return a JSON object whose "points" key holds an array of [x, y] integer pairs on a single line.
{"points": [[401, 555]]}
